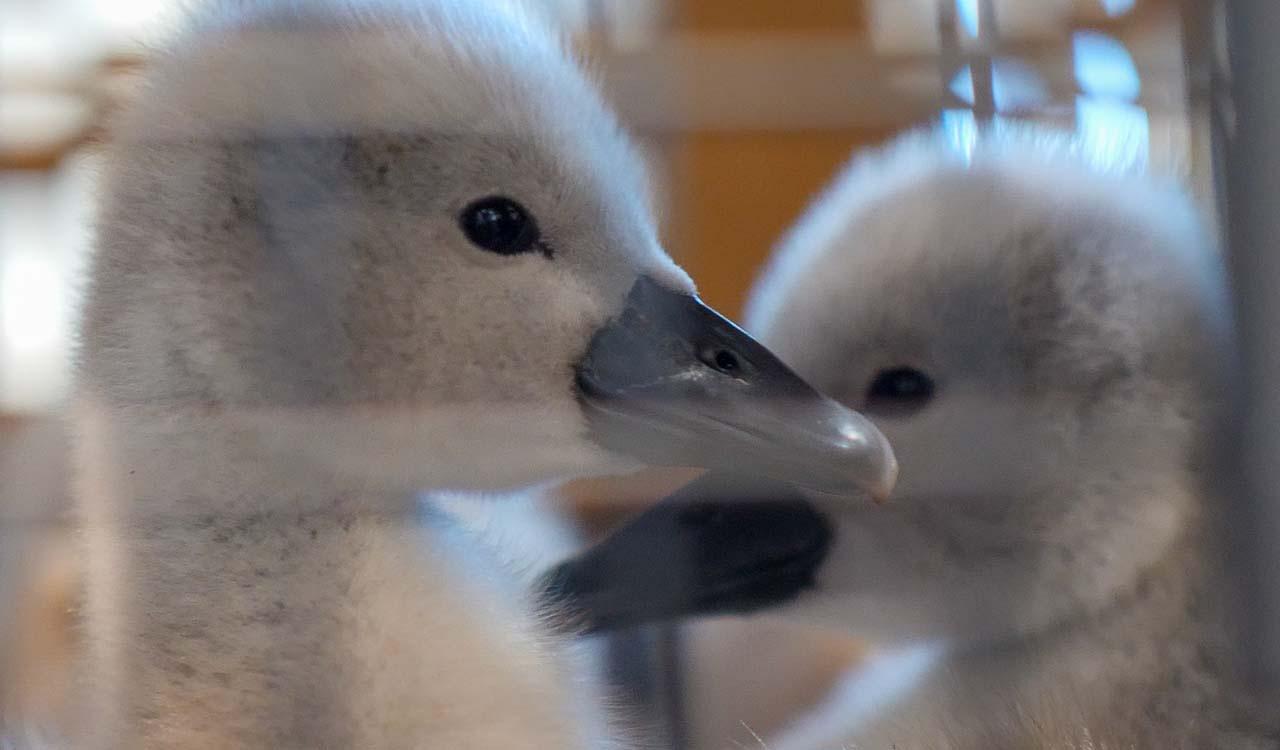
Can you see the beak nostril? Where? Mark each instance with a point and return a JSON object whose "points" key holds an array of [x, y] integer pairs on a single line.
{"points": [[722, 360]]}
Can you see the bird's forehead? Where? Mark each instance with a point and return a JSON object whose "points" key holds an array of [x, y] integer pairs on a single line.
{"points": [[511, 93], [507, 98], [339, 76]]}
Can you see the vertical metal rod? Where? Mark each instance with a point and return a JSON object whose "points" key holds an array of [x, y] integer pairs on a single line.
{"points": [[644, 669], [949, 59], [982, 66], [1248, 126], [670, 663], [597, 24], [1202, 73]]}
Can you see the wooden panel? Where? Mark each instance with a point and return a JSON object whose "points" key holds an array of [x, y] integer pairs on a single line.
{"points": [[768, 15], [801, 81], [845, 15], [735, 193], [39, 575]]}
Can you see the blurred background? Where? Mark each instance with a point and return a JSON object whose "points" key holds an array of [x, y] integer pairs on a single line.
{"points": [[745, 107]]}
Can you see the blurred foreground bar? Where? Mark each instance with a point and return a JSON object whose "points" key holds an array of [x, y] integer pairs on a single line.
{"points": [[1248, 124]]}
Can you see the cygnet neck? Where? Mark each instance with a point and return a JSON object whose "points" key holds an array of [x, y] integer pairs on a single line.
{"points": [[254, 592]]}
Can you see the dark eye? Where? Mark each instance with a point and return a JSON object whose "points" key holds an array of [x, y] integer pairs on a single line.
{"points": [[500, 225], [899, 390]]}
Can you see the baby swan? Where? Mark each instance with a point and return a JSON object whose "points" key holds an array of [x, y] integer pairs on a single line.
{"points": [[349, 252], [1041, 341]]}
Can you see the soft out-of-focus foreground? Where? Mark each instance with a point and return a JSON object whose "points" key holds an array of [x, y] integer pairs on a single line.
{"points": [[745, 109]]}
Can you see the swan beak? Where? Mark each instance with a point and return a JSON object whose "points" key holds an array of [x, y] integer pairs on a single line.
{"points": [[720, 545], [671, 382]]}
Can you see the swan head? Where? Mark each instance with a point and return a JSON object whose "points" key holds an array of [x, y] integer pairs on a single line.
{"points": [[1038, 339], [409, 242]]}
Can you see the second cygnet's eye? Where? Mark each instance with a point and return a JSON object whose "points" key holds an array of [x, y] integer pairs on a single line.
{"points": [[898, 391], [500, 225]]}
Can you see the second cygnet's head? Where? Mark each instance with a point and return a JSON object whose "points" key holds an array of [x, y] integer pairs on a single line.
{"points": [[1038, 338]]}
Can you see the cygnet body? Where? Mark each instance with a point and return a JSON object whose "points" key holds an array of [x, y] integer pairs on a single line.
{"points": [[1043, 342], [349, 252]]}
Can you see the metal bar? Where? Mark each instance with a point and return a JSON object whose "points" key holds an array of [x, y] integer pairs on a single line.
{"points": [[1197, 27], [982, 68], [630, 671], [949, 55], [1248, 126], [669, 647]]}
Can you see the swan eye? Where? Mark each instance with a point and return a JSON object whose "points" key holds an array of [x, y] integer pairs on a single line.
{"points": [[501, 225], [898, 391]]}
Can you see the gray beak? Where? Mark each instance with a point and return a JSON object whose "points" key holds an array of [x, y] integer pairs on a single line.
{"points": [[673, 383], [720, 545]]}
